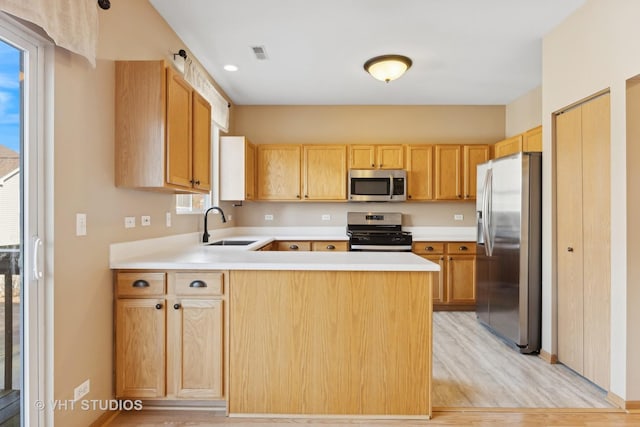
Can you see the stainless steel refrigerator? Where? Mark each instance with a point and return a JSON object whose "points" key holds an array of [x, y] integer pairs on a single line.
{"points": [[509, 267]]}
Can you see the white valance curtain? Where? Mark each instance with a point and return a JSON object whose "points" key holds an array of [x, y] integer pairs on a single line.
{"points": [[72, 24], [219, 105]]}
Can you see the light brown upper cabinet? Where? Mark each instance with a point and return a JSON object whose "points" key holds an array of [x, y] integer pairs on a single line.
{"points": [[278, 171], [420, 172], [532, 140], [237, 168], [528, 141], [302, 172], [324, 172], [163, 130], [455, 170], [473, 155], [376, 157]]}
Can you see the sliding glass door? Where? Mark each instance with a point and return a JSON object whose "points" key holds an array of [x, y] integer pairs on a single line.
{"points": [[21, 223]]}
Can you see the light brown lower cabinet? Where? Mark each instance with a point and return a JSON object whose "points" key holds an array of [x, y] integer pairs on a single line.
{"points": [[170, 335], [306, 245], [456, 287]]}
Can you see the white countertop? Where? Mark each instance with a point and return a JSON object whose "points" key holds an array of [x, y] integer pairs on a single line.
{"points": [[208, 258], [187, 252]]}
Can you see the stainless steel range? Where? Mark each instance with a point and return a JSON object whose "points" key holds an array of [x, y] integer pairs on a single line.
{"points": [[377, 231]]}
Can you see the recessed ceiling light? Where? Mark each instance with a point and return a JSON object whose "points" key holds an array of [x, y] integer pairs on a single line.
{"points": [[230, 67]]}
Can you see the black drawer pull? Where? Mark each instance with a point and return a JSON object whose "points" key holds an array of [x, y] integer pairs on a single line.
{"points": [[198, 284], [429, 248], [140, 284], [293, 247], [331, 247], [158, 306], [464, 248]]}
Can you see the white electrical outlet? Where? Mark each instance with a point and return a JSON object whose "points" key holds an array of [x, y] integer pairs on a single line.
{"points": [[129, 221], [458, 217], [229, 217], [167, 219], [81, 390], [268, 217], [81, 224], [326, 217], [145, 220]]}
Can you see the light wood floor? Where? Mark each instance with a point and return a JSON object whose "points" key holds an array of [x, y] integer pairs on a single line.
{"points": [[474, 368], [457, 418], [478, 381]]}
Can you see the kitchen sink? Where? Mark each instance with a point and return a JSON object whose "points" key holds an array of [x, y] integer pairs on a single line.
{"points": [[232, 243]]}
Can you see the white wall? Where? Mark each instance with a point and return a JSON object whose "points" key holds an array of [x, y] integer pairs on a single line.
{"points": [[595, 49], [524, 113]]}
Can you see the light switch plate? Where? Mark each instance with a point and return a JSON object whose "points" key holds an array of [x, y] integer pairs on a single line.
{"points": [[145, 220], [81, 224]]}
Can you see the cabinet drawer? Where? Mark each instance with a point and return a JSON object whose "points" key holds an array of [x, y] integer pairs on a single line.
{"points": [[461, 248], [329, 246], [427, 248], [293, 246], [140, 284], [199, 283]]}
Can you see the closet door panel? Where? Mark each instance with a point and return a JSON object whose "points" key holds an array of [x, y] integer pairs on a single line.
{"points": [[569, 238], [596, 219]]}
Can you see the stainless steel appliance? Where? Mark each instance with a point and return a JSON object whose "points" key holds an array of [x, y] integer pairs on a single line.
{"points": [[508, 266], [377, 231], [367, 185]]}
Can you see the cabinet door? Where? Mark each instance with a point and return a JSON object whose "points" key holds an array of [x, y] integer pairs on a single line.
{"points": [[437, 286], [178, 145], [201, 143], [196, 348], [508, 146], [250, 171], [362, 157], [140, 348], [532, 140], [279, 172], [473, 156], [325, 172], [390, 156], [419, 172], [448, 162], [461, 279]]}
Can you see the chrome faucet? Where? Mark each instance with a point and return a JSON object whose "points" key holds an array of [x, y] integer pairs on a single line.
{"points": [[205, 236]]}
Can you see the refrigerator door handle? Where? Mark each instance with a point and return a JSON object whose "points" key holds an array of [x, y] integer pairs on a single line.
{"points": [[486, 212]]}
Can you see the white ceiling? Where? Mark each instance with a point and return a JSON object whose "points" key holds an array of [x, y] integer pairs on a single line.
{"points": [[477, 52]]}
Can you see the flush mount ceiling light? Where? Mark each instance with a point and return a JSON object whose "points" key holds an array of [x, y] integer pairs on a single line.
{"points": [[387, 67]]}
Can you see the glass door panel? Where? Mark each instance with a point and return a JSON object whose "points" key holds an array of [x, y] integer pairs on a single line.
{"points": [[11, 235]]}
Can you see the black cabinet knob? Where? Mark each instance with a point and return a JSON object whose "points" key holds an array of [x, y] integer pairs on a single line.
{"points": [[176, 306], [158, 306]]}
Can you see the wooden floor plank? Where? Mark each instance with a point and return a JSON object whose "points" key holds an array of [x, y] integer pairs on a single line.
{"points": [[474, 368], [466, 418]]}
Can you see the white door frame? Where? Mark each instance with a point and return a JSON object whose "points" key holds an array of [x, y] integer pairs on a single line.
{"points": [[37, 231]]}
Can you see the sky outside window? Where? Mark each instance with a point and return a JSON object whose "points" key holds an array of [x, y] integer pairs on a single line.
{"points": [[9, 96]]}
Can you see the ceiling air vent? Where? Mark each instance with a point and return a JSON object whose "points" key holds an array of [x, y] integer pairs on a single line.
{"points": [[260, 52]]}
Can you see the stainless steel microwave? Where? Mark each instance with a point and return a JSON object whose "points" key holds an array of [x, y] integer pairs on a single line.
{"points": [[366, 185]]}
